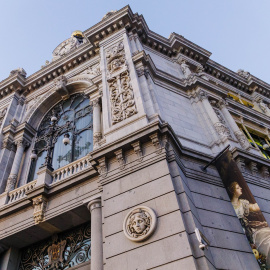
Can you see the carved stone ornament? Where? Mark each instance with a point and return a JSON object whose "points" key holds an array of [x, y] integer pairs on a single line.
{"points": [[115, 57], [40, 204], [60, 86], [243, 73], [56, 253], [262, 105], [122, 97], [242, 139], [156, 142], [226, 131], [102, 167], [138, 150], [140, 223], [120, 158], [184, 67], [18, 71], [93, 71], [108, 14], [221, 129]]}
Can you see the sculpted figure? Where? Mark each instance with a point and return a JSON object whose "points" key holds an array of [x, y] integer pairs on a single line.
{"points": [[140, 223]]}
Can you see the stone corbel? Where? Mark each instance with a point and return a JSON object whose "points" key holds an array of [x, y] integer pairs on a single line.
{"points": [[120, 158], [265, 172], [241, 164], [138, 150], [102, 167], [155, 140], [60, 86], [253, 168], [40, 206]]}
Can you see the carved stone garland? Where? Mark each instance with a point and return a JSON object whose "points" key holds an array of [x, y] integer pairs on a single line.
{"points": [[121, 93]]}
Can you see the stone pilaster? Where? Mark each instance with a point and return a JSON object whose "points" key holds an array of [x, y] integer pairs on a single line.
{"points": [[96, 234]]}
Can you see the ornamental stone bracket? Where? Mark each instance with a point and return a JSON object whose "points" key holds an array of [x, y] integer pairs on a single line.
{"points": [[40, 205], [140, 223], [120, 158], [60, 86], [102, 167], [155, 140], [138, 150]]}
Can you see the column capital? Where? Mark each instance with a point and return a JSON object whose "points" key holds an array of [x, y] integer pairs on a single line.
{"points": [[96, 203], [222, 103], [95, 102], [22, 143]]}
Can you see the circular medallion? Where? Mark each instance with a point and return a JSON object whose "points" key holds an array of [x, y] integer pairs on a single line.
{"points": [[140, 223]]}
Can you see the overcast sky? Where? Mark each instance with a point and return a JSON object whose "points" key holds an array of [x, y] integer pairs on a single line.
{"points": [[236, 32]]}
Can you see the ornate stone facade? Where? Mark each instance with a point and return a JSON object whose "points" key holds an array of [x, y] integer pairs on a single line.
{"points": [[129, 118]]}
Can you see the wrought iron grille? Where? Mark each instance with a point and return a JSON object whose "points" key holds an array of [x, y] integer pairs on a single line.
{"points": [[72, 117], [62, 251]]}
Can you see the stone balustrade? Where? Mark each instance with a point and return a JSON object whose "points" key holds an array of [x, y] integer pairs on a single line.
{"points": [[20, 192], [70, 169]]}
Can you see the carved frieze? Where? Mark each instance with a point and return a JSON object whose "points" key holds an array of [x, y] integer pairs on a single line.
{"points": [[121, 97], [121, 91], [140, 223], [115, 57]]}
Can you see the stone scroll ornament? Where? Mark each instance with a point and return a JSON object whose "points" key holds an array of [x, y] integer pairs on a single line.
{"points": [[246, 208], [121, 92], [140, 223]]}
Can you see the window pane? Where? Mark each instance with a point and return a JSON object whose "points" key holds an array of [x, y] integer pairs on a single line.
{"points": [[76, 101], [83, 144], [82, 104], [67, 116], [62, 153], [84, 122]]}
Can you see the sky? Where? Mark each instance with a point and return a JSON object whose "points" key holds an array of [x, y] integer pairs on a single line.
{"points": [[236, 32]]}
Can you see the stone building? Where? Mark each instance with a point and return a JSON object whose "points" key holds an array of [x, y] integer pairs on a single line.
{"points": [[102, 150]]}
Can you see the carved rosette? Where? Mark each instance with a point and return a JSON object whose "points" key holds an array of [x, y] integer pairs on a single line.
{"points": [[242, 139], [40, 204], [121, 92], [140, 223]]}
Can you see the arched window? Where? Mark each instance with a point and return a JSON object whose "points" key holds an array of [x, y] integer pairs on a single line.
{"points": [[71, 119]]}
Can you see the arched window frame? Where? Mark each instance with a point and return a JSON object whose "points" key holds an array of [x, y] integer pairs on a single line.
{"points": [[54, 125]]}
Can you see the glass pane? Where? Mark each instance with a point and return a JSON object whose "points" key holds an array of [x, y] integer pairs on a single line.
{"points": [[36, 165], [83, 144], [66, 105], [67, 116], [83, 104], [76, 101], [84, 122], [40, 145], [61, 153]]}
